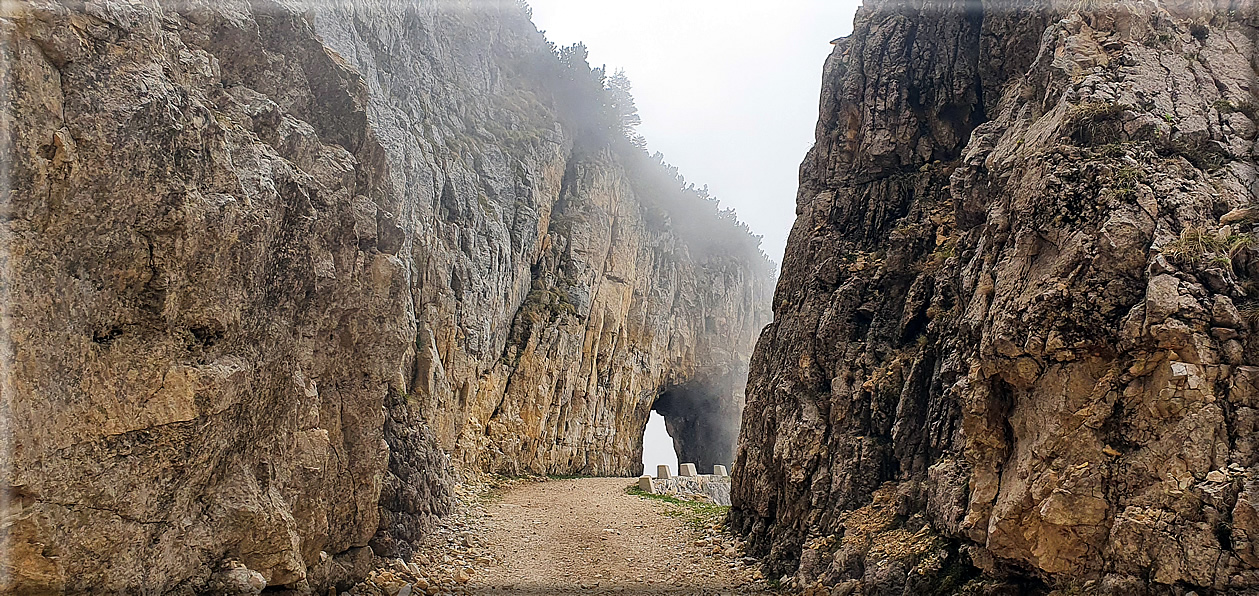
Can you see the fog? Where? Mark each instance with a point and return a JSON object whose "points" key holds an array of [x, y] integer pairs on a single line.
{"points": [[728, 91]]}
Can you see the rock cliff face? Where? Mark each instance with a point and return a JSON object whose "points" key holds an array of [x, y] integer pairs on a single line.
{"points": [[1013, 339], [269, 270]]}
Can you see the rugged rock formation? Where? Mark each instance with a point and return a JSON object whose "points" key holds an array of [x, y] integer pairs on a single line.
{"points": [[1013, 330], [269, 270]]}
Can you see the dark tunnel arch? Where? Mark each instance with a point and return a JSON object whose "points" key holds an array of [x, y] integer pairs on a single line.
{"points": [[702, 418]]}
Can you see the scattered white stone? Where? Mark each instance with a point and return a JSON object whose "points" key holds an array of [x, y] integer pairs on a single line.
{"points": [[238, 579]]}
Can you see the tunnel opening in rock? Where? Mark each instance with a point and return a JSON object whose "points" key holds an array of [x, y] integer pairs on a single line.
{"points": [[703, 422], [658, 445]]}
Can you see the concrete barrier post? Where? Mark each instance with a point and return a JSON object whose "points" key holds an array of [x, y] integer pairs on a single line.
{"points": [[645, 485], [686, 470], [720, 471], [662, 472]]}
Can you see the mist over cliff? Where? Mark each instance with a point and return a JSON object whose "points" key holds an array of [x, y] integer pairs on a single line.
{"points": [[275, 274], [274, 269]]}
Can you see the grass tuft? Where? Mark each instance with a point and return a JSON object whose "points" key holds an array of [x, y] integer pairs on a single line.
{"points": [[1095, 123], [1198, 245], [1249, 311], [697, 515]]}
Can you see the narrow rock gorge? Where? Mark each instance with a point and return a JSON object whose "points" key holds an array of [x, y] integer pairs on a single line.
{"points": [[273, 270], [1012, 349]]}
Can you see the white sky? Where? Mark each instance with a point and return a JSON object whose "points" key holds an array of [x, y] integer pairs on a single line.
{"points": [[657, 446], [727, 89]]}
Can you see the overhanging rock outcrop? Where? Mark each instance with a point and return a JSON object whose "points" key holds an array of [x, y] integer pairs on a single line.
{"points": [[1013, 339], [270, 268]]}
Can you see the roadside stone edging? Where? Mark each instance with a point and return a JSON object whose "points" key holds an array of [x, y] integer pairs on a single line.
{"points": [[714, 487]]}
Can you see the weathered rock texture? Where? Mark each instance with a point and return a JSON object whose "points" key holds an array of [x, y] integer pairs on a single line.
{"points": [[1013, 330], [268, 270], [555, 296]]}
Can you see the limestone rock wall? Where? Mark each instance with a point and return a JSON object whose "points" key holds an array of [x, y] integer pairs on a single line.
{"points": [[554, 295], [1013, 338], [269, 270]]}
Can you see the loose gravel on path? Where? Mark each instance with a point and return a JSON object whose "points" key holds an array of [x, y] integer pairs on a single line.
{"points": [[570, 536], [587, 535]]}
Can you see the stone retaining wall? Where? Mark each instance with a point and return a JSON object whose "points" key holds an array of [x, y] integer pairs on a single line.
{"points": [[712, 487]]}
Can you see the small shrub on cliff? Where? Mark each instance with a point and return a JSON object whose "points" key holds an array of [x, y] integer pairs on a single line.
{"points": [[1124, 182], [1194, 244], [943, 252], [1249, 310], [1204, 154], [1095, 111], [1237, 243], [1127, 177], [1095, 123], [1246, 107], [554, 302], [1198, 246], [1249, 108], [1199, 31]]}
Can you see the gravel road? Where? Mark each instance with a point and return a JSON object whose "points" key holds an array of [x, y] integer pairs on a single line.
{"points": [[588, 536]]}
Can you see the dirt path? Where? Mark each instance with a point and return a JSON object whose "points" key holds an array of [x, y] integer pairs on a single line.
{"points": [[588, 536]]}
